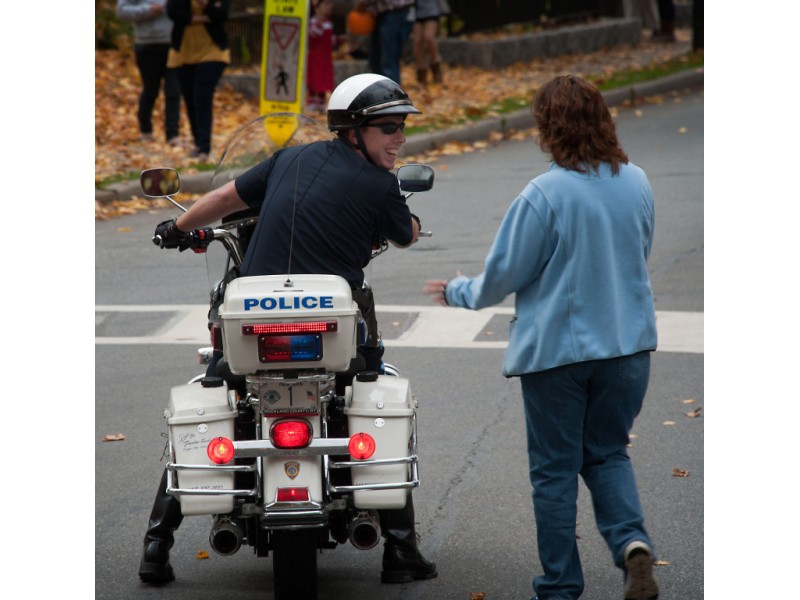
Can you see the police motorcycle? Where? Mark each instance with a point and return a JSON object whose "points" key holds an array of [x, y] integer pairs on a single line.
{"points": [[269, 444]]}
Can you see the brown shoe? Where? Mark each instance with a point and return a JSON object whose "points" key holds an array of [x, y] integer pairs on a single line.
{"points": [[437, 73], [639, 581]]}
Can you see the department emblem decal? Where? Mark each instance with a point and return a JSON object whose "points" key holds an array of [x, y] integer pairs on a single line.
{"points": [[292, 469]]}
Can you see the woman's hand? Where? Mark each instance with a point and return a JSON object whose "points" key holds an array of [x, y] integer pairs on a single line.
{"points": [[435, 288]]}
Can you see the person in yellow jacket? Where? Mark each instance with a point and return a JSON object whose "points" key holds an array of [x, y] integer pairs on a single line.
{"points": [[200, 52]]}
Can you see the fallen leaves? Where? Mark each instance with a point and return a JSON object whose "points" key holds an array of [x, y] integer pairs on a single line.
{"points": [[676, 472], [201, 555], [114, 437], [106, 210], [468, 91]]}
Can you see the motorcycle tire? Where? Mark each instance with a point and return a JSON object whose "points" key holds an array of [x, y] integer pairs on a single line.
{"points": [[294, 564]]}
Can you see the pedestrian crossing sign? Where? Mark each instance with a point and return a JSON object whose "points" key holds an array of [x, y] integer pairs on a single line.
{"points": [[283, 58]]}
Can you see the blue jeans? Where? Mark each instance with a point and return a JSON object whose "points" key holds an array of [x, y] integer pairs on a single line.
{"points": [[198, 83], [392, 30], [578, 418]]}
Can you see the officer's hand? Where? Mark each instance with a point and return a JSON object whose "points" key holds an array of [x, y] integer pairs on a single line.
{"points": [[167, 235]]}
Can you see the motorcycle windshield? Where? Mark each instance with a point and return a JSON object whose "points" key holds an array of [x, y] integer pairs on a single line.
{"points": [[254, 142]]}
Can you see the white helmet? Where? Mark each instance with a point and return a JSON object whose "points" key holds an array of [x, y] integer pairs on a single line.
{"points": [[366, 96]]}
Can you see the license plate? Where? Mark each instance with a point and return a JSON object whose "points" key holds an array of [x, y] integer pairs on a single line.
{"points": [[290, 397]]}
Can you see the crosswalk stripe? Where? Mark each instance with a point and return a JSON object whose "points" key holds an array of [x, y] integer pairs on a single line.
{"points": [[433, 327]]}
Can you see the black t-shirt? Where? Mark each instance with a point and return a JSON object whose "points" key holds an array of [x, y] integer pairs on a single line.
{"points": [[339, 203]]}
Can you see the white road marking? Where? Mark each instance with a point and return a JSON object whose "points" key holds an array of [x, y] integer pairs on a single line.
{"points": [[434, 327]]}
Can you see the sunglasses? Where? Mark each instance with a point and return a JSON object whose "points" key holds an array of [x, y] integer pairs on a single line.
{"points": [[388, 128]]}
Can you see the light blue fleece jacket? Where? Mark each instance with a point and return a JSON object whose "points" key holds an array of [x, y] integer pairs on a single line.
{"points": [[573, 247]]}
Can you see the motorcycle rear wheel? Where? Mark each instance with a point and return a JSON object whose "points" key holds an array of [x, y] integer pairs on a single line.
{"points": [[294, 564]]}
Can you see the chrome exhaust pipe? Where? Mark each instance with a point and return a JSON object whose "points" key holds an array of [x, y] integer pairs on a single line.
{"points": [[365, 530], [226, 536]]}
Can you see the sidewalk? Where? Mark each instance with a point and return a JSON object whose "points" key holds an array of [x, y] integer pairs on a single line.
{"points": [[469, 87], [421, 143]]}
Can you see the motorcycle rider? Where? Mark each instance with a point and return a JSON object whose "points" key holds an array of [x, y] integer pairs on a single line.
{"points": [[321, 205]]}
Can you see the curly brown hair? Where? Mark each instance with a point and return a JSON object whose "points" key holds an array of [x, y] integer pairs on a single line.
{"points": [[575, 126]]}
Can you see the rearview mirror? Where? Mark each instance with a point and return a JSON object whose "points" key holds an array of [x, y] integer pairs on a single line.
{"points": [[157, 183], [415, 178]]}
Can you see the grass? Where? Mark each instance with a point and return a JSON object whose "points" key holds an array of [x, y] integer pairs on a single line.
{"points": [[632, 77], [134, 175]]}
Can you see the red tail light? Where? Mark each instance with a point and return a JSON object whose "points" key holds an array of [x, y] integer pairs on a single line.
{"points": [[216, 337], [220, 450], [361, 446], [290, 433], [293, 494]]}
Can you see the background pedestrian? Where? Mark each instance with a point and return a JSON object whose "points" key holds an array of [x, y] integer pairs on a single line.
{"points": [[394, 20], [426, 48], [321, 42], [359, 26], [151, 33], [646, 10], [666, 15], [573, 249], [200, 53]]}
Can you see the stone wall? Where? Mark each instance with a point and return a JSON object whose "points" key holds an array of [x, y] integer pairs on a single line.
{"points": [[489, 54]]}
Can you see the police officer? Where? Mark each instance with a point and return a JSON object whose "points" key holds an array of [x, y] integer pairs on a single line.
{"points": [[321, 206]]}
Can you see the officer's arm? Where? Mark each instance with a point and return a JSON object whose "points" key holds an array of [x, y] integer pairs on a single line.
{"points": [[211, 208]]}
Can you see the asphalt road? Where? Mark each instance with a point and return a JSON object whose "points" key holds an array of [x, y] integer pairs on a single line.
{"points": [[473, 508]]}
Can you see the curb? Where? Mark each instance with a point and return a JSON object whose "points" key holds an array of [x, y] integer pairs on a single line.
{"points": [[523, 119], [420, 143]]}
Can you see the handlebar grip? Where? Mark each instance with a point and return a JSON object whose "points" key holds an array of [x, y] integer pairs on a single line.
{"points": [[199, 239]]}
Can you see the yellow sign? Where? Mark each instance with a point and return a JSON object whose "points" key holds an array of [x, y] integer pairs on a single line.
{"points": [[283, 56]]}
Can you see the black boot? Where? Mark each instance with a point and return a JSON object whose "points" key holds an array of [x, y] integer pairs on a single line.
{"points": [[165, 518], [402, 561]]}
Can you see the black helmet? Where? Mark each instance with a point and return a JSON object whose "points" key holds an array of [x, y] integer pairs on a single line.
{"points": [[366, 96]]}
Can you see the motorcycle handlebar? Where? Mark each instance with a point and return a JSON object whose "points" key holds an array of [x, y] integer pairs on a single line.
{"points": [[200, 239]]}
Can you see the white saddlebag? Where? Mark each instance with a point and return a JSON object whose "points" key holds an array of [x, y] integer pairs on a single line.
{"points": [[384, 409], [196, 415]]}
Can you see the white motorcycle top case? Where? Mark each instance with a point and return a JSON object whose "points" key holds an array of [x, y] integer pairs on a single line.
{"points": [[267, 299]]}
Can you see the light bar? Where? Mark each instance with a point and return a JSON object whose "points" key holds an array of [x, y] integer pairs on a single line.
{"points": [[289, 328], [283, 348]]}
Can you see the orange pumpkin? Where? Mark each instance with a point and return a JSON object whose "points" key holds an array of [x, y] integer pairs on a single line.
{"points": [[360, 22]]}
